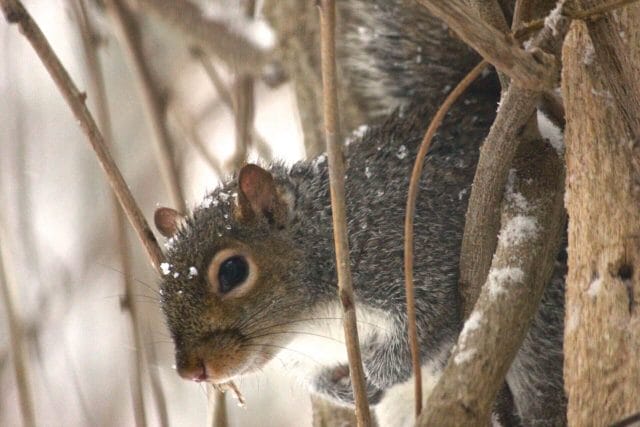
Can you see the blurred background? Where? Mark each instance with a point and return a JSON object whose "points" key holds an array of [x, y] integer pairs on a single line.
{"points": [[58, 228]]}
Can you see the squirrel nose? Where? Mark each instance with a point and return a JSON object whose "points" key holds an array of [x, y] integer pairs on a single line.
{"points": [[196, 372]]}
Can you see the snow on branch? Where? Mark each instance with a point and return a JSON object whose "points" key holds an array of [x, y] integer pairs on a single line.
{"points": [[532, 218]]}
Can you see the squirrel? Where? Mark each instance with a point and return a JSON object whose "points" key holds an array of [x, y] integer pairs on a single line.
{"points": [[251, 271]]}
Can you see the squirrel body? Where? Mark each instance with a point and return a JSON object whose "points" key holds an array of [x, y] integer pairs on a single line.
{"points": [[250, 274]]}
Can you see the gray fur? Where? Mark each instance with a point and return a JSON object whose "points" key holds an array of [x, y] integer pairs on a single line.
{"points": [[394, 52], [383, 46]]}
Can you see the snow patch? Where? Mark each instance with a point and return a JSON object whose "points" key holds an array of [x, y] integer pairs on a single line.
{"points": [[552, 20], [500, 278], [193, 272], [514, 198], [255, 31], [209, 201], [464, 356], [519, 229], [551, 133], [356, 134], [462, 353], [473, 322], [165, 268], [402, 152], [594, 288]]}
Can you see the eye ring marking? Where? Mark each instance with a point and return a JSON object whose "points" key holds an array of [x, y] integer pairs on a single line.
{"points": [[232, 273]]}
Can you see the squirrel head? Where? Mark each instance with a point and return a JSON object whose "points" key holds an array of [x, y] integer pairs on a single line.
{"points": [[231, 282]]}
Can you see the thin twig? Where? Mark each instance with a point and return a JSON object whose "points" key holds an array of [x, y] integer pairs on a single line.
{"points": [[156, 384], [245, 106], [528, 28], [16, 335], [261, 145], [627, 422], [188, 128], [96, 80], [15, 13], [409, 217], [336, 180], [129, 29], [531, 70], [217, 407]]}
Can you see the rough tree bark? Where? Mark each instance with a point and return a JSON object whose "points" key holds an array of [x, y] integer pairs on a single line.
{"points": [[602, 327], [520, 270]]}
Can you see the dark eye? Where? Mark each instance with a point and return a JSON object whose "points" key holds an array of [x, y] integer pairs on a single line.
{"points": [[233, 272]]}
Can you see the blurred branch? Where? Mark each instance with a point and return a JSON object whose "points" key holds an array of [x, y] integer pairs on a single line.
{"points": [[261, 145], [231, 40], [156, 384], [15, 13], [245, 105], [129, 30], [217, 407], [16, 332], [302, 64], [96, 80], [188, 128], [336, 181]]}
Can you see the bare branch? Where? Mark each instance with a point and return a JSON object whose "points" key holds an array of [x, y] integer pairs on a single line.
{"points": [[531, 70], [231, 41], [156, 385], [96, 79], [336, 181], [188, 128], [217, 407], [409, 218], [261, 144], [530, 236], [129, 30], [15, 13], [483, 214], [16, 335]]}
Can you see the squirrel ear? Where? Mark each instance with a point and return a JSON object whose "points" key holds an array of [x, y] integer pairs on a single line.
{"points": [[167, 221], [258, 195]]}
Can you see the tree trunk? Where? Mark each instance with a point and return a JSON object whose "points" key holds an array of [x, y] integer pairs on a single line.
{"points": [[602, 326]]}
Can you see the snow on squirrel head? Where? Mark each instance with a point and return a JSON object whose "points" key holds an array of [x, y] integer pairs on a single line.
{"points": [[231, 283]]}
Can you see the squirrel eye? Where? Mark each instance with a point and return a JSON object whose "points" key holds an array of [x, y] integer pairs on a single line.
{"points": [[233, 271]]}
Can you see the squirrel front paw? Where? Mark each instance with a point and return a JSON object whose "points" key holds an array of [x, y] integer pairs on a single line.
{"points": [[334, 383]]}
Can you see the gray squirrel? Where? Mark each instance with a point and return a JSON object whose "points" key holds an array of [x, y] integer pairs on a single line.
{"points": [[250, 272]]}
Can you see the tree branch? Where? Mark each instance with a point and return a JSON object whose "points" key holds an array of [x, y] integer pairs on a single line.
{"points": [[408, 225], [531, 69], [15, 13], [336, 181], [229, 40], [96, 80], [483, 217], [153, 106], [521, 269], [16, 335]]}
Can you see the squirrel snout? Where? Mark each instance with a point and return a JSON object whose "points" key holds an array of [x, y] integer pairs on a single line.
{"points": [[196, 371]]}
